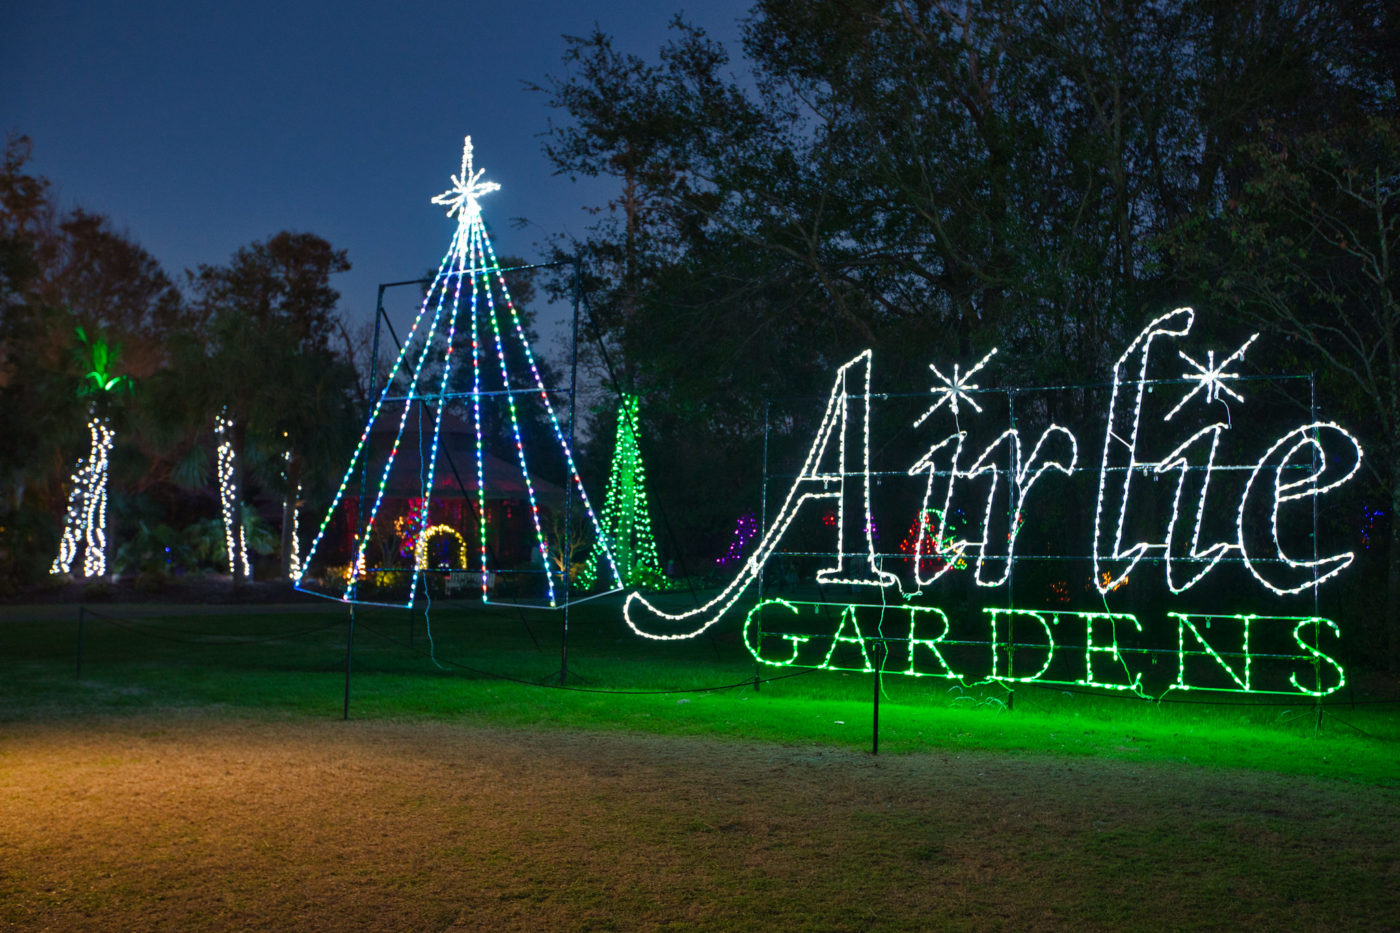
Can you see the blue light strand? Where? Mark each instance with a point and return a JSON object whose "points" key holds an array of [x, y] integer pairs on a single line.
{"points": [[515, 421], [357, 565], [437, 419], [476, 419]]}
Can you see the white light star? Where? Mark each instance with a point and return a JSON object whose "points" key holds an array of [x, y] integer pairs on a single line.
{"points": [[1210, 377], [954, 389], [461, 198]]}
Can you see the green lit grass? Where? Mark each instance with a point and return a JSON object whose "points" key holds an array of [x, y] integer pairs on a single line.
{"points": [[501, 667]]}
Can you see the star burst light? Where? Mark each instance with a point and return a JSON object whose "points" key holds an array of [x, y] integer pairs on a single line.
{"points": [[955, 388], [462, 198], [1210, 378]]}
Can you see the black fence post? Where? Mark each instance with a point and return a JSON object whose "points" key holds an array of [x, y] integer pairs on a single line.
{"points": [[883, 649], [349, 653], [82, 619]]}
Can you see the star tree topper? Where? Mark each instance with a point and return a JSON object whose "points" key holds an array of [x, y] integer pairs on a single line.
{"points": [[461, 198]]}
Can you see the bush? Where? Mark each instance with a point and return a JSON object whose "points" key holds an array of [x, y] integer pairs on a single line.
{"points": [[28, 543]]}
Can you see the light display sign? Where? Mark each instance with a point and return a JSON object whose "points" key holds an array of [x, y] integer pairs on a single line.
{"points": [[1027, 559], [1235, 653]]}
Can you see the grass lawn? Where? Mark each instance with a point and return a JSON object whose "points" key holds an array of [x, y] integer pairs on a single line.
{"points": [[199, 775]]}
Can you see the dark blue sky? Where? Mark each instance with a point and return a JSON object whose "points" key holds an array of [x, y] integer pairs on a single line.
{"points": [[198, 127]]}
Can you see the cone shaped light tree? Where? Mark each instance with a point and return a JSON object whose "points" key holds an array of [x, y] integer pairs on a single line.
{"points": [[467, 325], [626, 519]]}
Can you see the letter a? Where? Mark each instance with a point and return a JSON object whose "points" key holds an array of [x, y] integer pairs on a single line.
{"points": [[814, 482]]}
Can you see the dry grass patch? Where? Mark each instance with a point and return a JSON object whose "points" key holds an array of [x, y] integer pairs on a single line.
{"points": [[194, 822]]}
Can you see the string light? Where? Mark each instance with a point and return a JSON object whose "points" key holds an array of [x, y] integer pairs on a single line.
{"points": [[955, 388], [1305, 440], [1289, 449], [420, 552], [1028, 473], [953, 549], [354, 570], [830, 485], [85, 520], [292, 506], [1368, 526], [1210, 378], [1175, 323], [463, 197], [928, 644], [626, 523], [1187, 556], [1317, 657], [1176, 460], [744, 530], [558, 430], [229, 498], [993, 617], [409, 526], [1073, 648]]}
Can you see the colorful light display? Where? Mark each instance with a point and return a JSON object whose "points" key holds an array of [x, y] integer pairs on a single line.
{"points": [[1250, 504], [923, 544], [744, 530], [626, 519], [420, 552], [469, 288]]}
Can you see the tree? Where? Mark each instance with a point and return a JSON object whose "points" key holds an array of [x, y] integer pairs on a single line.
{"points": [[33, 361], [59, 271], [110, 283], [85, 524], [262, 360], [936, 178], [1308, 251], [626, 518]]}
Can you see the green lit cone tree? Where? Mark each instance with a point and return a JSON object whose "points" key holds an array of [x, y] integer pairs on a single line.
{"points": [[626, 520]]}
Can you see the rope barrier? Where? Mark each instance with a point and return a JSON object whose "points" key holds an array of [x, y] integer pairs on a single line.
{"points": [[133, 626], [127, 625]]}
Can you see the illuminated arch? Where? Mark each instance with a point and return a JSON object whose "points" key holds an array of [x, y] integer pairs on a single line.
{"points": [[420, 555]]}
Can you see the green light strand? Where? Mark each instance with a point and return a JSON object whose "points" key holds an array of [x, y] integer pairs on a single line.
{"points": [[1074, 648]]}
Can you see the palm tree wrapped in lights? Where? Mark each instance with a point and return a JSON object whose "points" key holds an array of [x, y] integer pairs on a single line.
{"points": [[85, 522]]}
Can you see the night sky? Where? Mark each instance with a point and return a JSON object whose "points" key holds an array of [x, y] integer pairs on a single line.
{"points": [[200, 127]]}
